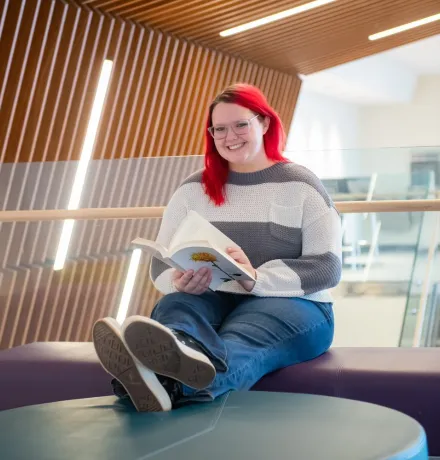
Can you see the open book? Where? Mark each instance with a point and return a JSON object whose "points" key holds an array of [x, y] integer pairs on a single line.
{"points": [[196, 244]]}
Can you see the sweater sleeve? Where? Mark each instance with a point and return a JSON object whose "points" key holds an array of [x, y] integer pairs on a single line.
{"points": [[319, 266], [175, 212]]}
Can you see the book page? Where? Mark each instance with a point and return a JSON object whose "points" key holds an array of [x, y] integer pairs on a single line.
{"points": [[196, 228], [153, 248], [223, 269]]}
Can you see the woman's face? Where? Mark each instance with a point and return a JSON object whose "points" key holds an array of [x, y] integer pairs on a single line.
{"points": [[238, 133]]}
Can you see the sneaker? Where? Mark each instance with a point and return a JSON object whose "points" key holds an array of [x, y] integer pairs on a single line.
{"points": [[172, 387], [141, 384], [167, 353]]}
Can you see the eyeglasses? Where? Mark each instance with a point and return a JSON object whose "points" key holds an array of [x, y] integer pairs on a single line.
{"points": [[239, 127]]}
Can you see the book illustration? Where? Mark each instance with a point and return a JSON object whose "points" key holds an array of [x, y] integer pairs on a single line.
{"points": [[195, 244], [208, 257]]}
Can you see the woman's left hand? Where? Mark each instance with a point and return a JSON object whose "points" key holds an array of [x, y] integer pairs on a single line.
{"points": [[240, 257]]}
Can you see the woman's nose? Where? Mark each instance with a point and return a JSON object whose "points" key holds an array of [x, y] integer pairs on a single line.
{"points": [[230, 135]]}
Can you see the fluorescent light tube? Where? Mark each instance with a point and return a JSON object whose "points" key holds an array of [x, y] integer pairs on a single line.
{"points": [[410, 25], [128, 286], [86, 153], [275, 17]]}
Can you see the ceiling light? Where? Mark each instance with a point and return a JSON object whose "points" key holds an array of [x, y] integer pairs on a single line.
{"points": [[275, 17], [410, 25]]}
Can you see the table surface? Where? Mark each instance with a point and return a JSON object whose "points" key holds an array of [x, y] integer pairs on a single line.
{"points": [[243, 425]]}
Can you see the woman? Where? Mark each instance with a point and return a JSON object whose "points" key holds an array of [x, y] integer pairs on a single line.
{"points": [[199, 344]]}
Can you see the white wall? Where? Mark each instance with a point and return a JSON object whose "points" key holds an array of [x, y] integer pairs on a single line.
{"points": [[404, 125], [391, 133], [321, 129], [335, 138], [375, 79], [325, 136]]}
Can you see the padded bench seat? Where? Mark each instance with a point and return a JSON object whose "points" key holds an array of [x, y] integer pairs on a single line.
{"points": [[407, 380]]}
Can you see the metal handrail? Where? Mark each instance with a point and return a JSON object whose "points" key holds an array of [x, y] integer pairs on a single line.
{"points": [[345, 207]]}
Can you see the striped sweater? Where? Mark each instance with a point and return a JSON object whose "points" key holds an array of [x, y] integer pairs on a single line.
{"points": [[282, 218]]}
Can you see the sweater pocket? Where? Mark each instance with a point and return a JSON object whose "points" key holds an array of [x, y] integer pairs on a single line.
{"points": [[285, 223]]}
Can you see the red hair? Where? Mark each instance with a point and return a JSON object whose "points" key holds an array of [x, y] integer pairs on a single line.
{"points": [[216, 169]]}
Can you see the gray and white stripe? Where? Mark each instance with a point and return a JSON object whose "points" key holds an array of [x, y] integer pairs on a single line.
{"points": [[281, 217]]}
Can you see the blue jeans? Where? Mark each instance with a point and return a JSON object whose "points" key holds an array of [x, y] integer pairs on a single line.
{"points": [[247, 337]]}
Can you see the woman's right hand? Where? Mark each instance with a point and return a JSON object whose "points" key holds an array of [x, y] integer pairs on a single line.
{"points": [[193, 283]]}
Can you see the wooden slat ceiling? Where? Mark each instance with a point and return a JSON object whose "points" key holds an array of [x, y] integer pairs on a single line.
{"points": [[320, 38]]}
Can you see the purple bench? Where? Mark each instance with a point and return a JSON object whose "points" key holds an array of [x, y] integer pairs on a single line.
{"points": [[407, 380]]}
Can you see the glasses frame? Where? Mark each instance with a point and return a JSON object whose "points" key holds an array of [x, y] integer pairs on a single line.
{"points": [[211, 128]]}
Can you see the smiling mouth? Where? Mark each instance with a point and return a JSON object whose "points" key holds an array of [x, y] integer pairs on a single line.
{"points": [[235, 146]]}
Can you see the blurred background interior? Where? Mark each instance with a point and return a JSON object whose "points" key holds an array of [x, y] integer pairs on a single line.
{"points": [[102, 105]]}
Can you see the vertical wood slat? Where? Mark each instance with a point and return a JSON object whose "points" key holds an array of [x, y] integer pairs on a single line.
{"points": [[48, 239], [37, 317], [83, 246], [56, 315], [3, 11], [110, 295], [5, 131], [71, 76], [9, 43], [156, 108], [202, 72], [121, 77], [24, 123], [62, 311], [15, 82]]}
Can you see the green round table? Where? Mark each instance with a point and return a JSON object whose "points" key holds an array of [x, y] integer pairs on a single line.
{"points": [[238, 426]]}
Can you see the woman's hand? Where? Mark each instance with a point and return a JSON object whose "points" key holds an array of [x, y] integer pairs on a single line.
{"points": [[193, 283], [240, 257]]}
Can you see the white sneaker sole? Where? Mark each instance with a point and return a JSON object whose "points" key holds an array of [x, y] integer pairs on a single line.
{"points": [[145, 391], [155, 346]]}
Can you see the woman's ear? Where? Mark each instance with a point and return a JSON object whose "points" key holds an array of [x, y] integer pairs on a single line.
{"points": [[266, 123]]}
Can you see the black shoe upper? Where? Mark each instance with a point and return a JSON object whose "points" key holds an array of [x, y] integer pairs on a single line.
{"points": [[189, 342], [172, 387]]}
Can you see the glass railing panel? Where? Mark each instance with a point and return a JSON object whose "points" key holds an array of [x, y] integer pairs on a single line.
{"points": [[38, 303], [378, 260], [422, 301], [373, 173], [354, 168]]}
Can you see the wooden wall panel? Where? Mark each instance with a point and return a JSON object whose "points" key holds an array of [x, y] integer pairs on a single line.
{"points": [[51, 52], [51, 56], [39, 304]]}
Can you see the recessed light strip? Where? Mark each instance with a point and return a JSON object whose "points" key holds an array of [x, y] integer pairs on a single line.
{"points": [[275, 17], [410, 25], [128, 286], [86, 153]]}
